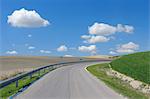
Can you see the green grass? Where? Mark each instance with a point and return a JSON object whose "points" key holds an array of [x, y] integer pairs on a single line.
{"points": [[26, 81], [135, 65], [99, 71]]}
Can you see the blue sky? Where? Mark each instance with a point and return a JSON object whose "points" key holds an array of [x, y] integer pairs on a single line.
{"points": [[71, 19]]}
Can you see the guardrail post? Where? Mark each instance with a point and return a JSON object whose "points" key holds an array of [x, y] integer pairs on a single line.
{"points": [[30, 76], [49, 68], [52, 67], [17, 83], [39, 72], [44, 70]]}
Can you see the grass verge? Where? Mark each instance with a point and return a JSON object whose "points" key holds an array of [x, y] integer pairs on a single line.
{"points": [[119, 86], [22, 83]]}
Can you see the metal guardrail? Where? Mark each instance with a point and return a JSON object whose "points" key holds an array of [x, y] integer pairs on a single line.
{"points": [[18, 77]]}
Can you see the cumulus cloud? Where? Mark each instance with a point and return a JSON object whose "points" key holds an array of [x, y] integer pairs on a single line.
{"points": [[29, 35], [62, 48], [101, 32], [106, 29], [45, 51], [68, 56], [127, 48], [125, 28], [92, 49], [101, 29], [112, 52], [13, 52], [27, 19], [95, 39], [85, 36], [31, 47]]}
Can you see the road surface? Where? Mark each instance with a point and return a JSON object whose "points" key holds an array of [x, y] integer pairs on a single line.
{"points": [[69, 82]]}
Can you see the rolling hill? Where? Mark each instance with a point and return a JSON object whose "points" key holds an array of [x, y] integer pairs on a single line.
{"points": [[135, 65]]}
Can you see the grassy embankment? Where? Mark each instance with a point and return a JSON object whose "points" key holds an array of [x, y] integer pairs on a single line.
{"points": [[24, 82], [135, 65], [125, 63]]}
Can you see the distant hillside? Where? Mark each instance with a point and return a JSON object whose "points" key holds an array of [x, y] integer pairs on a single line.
{"points": [[20, 62], [12, 65], [136, 65], [99, 56]]}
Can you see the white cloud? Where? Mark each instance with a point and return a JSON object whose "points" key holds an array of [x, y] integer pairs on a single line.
{"points": [[125, 28], [100, 32], [45, 51], [112, 52], [62, 48], [130, 45], [31, 47], [106, 29], [127, 48], [96, 39], [102, 29], [27, 19], [92, 49], [29, 35], [85, 36], [13, 52], [68, 56]]}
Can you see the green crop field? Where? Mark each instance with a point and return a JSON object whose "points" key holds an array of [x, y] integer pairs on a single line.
{"points": [[135, 65]]}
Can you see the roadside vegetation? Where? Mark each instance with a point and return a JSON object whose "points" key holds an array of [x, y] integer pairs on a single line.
{"points": [[22, 84], [135, 65], [121, 87]]}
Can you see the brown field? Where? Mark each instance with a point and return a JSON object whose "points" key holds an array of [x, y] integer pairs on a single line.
{"points": [[12, 65]]}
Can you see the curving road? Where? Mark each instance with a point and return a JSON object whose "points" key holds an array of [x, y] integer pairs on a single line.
{"points": [[69, 82]]}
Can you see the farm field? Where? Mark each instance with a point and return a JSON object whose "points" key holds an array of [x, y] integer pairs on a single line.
{"points": [[12, 65]]}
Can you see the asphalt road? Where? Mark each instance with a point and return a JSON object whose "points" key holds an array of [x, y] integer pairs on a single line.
{"points": [[69, 82]]}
